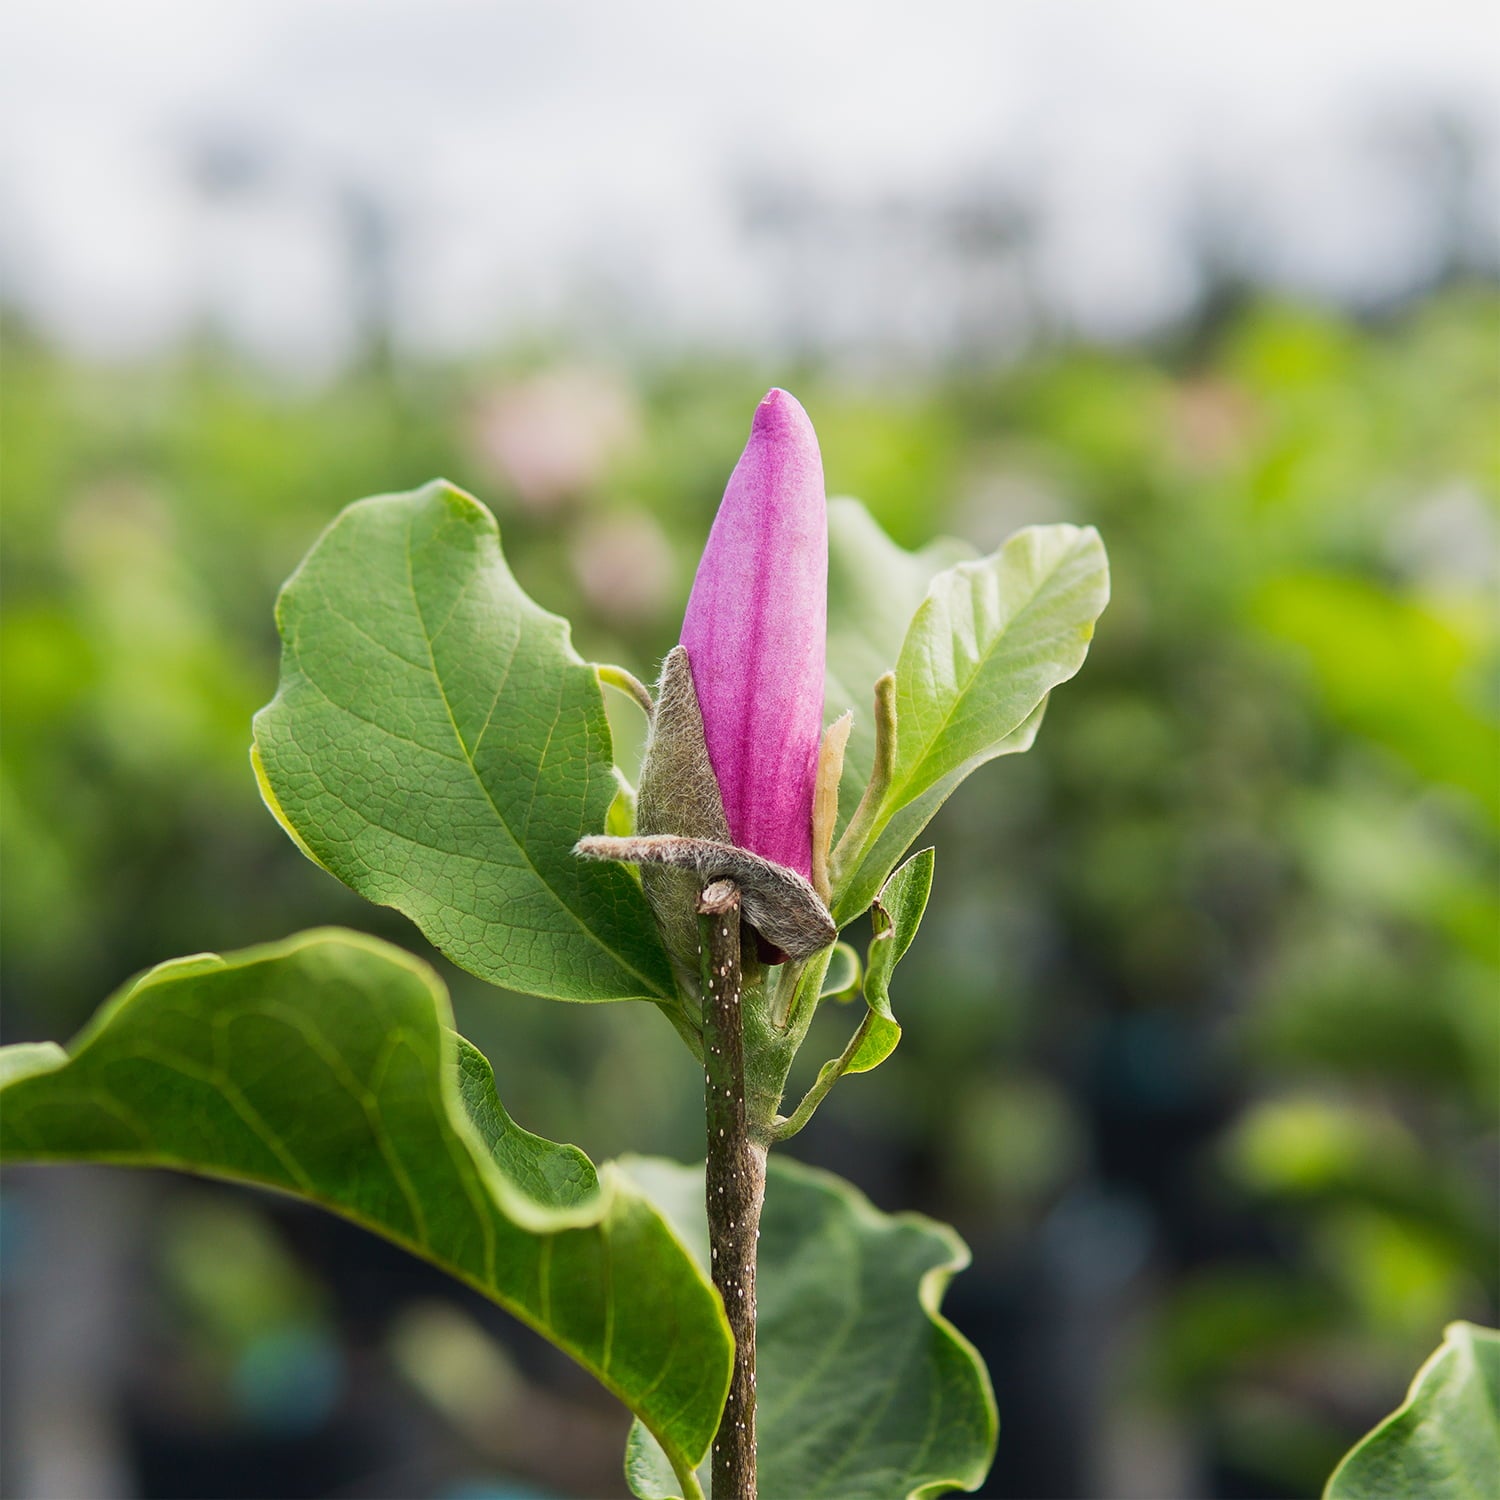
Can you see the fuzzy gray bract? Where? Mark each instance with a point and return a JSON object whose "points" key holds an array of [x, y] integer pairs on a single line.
{"points": [[678, 794]]}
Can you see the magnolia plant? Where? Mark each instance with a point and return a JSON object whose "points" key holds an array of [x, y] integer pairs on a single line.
{"points": [[436, 743]]}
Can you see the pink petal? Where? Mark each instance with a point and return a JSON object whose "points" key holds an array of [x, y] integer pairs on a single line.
{"points": [[755, 634]]}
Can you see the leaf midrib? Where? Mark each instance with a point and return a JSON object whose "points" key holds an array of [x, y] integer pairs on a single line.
{"points": [[470, 1160], [489, 1290], [468, 759]]}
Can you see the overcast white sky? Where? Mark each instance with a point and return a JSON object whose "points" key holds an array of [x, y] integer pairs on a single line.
{"points": [[540, 161]]}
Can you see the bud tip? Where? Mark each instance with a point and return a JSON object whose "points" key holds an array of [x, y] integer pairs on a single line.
{"points": [[779, 415]]}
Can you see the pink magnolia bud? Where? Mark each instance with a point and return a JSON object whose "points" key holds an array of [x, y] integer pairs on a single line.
{"points": [[755, 633]]}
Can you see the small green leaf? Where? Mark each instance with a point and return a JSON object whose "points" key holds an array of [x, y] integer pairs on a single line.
{"points": [[897, 914], [1443, 1441], [325, 1066], [874, 588], [989, 642], [619, 821], [437, 744], [842, 977], [26, 1058], [985, 647], [866, 1392]]}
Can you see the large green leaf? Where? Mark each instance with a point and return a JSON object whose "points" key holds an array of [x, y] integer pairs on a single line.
{"points": [[1443, 1441], [866, 1392], [874, 588], [436, 743], [325, 1066], [989, 641]]}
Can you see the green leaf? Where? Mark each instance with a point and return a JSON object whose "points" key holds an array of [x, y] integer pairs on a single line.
{"points": [[841, 980], [437, 744], [985, 647], [26, 1058], [866, 1392], [325, 1066], [897, 915], [1443, 1441], [874, 588]]}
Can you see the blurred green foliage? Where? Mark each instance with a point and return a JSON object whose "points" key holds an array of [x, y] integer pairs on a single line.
{"points": [[1224, 943]]}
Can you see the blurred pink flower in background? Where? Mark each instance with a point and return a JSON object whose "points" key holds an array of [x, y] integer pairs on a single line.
{"points": [[550, 437], [625, 566]]}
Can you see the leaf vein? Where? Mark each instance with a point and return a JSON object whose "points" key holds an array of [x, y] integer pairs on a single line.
{"points": [[546, 885]]}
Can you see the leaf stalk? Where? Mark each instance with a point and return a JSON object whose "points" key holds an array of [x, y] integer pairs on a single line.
{"points": [[629, 684], [829, 1074], [851, 846]]}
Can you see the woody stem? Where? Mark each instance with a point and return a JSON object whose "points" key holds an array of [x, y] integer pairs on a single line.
{"points": [[735, 1181]]}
